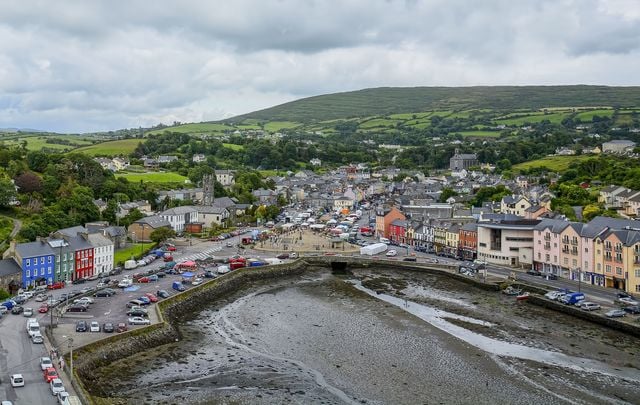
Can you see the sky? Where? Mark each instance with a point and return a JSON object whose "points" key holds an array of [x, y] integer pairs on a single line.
{"points": [[87, 66]]}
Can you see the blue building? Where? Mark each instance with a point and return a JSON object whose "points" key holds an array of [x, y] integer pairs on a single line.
{"points": [[37, 261]]}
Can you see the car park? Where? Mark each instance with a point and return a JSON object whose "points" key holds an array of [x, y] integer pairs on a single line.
{"points": [[17, 380], [81, 326], [108, 327], [615, 313], [137, 320], [56, 386], [589, 306]]}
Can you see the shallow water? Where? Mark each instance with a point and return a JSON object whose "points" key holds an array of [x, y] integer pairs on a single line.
{"points": [[325, 340]]}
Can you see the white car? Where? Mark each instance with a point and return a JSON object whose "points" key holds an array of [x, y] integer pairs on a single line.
{"points": [[83, 300], [223, 269], [94, 327], [36, 338], [124, 283], [138, 320], [391, 253], [56, 386], [45, 363], [17, 380], [621, 300], [27, 312], [62, 397], [588, 306], [196, 281], [41, 298]]}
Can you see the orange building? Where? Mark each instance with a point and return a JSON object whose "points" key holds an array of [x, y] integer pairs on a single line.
{"points": [[468, 241], [384, 218]]}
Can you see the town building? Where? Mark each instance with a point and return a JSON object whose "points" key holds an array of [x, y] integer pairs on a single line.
{"points": [[36, 259], [140, 230], [103, 253], [384, 218], [468, 241], [225, 177], [461, 161], [179, 216], [507, 242], [514, 205]]}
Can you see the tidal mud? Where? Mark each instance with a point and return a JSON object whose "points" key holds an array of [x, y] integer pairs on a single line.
{"points": [[397, 337]]}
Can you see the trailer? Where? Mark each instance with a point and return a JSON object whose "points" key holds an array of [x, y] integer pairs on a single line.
{"points": [[373, 249]]}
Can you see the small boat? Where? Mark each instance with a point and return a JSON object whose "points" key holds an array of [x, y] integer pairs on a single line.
{"points": [[523, 296]]}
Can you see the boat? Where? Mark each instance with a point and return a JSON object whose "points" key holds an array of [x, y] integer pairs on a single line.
{"points": [[523, 296], [512, 291]]}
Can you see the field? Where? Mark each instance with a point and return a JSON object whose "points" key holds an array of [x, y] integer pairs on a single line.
{"points": [[479, 134], [153, 177], [233, 146], [133, 250], [378, 123], [587, 116], [275, 126], [553, 163], [555, 118], [38, 142], [203, 127], [111, 148]]}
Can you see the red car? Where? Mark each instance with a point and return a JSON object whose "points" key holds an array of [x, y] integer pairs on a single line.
{"points": [[171, 248], [144, 280], [168, 259], [50, 374], [56, 286], [44, 308], [151, 297]]}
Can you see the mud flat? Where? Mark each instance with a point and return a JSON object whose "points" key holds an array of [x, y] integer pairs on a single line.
{"points": [[379, 338]]}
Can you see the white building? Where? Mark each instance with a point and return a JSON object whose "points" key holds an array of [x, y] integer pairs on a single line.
{"points": [[225, 177], [315, 162], [506, 244], [102, 253], [618, 146], [179, 216]]}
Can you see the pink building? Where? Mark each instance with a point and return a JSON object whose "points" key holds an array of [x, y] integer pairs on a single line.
{"points": [[546, 246]]}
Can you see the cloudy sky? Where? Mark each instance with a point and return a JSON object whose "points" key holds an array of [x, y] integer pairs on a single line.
{"points": [[82, 66]]}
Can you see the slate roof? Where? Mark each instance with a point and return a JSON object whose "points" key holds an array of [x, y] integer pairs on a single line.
{"points": [[9, 267], [33, 249], [153, 221], [598, 224], [185, 209], [555, 225], [72, 231]]}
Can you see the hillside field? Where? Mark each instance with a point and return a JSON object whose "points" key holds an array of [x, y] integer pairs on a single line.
{"points": [[111, 148], [553, 163], [153, 177]]}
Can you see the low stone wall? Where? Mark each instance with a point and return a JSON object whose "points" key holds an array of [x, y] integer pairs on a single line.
{"points": [[594, 317]]}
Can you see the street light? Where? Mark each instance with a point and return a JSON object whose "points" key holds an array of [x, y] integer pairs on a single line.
{"points": [[70, 346]]}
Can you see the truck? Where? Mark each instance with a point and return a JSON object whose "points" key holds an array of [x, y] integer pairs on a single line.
{"points": [[572, 298], [130, 264], [373, 249]]}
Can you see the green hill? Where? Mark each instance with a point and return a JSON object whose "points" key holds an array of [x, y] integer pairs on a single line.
{"points": [[397, 100]]}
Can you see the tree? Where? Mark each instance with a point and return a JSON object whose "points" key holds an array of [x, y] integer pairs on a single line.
{"points": [[4, 294], [29, 182], [162, 234], [591, 211], [446, 194], [7, 192]]}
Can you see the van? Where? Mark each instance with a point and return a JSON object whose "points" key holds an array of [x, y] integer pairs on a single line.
{"points": [[32, 326], [178, 286], [385, 240], [572, 298]]}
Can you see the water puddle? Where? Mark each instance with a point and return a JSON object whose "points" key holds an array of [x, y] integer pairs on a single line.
{"points": [[437, 317]]}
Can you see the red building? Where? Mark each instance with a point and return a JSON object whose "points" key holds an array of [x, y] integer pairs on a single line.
{"points": [[83, 256], [468, 241], [398, 231]]}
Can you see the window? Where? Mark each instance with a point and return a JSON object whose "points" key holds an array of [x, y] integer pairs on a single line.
{"points": [[547, 258], [619, 271], [607, 268], [566, 261], [574, 262], [49, 270], [599, 267], [28, 273], [586, 250], [49, 259], [28, 263], [42, 260], [637, 287], [541, 255], [637, 272], [586, 265]]}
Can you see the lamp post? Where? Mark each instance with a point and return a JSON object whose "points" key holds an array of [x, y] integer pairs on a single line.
{"points": [[70, 346], [142, 241]]}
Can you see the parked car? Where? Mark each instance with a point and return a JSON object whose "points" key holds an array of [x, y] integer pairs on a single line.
{"points": [[79, 281], [137, 312], [62, 398], [37, 338], [81, 326], [44, 308], [161, 274], [145, 300], [17, 380], [162, 293], [134, 303], [196, 281], [17, 310], [533, 272], [391, 253], [45, 363], [283, 256], [152, 278], [151, 297], [83, 300], [107, 327], [77, 308], [589, 306], [41, 298], [615, 313], [122, 327], [627, 301], [137, 320], [27, 312], [56, 386], [94, 326], [103, 293], [56, 286], [632, 309], [50, 374]]}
